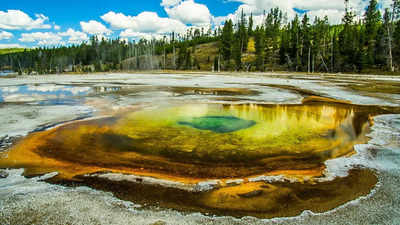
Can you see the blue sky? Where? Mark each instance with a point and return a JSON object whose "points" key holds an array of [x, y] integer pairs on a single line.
{"points": [[69, 13], [47, 22]]}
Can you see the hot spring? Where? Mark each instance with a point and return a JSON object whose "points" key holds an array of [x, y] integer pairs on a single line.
{"points": [[226, 159]]}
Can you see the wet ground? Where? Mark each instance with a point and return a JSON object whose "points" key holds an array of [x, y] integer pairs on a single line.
{"points": [[200, 149]]}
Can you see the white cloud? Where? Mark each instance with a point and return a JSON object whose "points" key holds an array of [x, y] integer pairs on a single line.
{"points": [[51, 38], [42, 38], [3, 46], [319, 5], [56, 27], [190, 12], [335, 16], [119, 20], [334, 9], [75, 37], [170, 3], [145, 22], [257, 8], [95, 28], [386, 3], [128, 33], [5, 35], [18, 20]]}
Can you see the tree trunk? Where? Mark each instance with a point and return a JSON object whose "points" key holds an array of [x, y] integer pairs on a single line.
{"points": [[390, 50], [173, 58], [309, 56]]}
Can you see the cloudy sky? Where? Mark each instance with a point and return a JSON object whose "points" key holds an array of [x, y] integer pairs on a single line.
{"points": [[27, 23]]}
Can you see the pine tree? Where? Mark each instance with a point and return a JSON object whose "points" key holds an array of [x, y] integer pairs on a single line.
{"points": [[243, 33], [372, 20], [305, 34], [295, 43], [216, 64], [320, 32], [188, 60], [335, 52], [182, 56], [251, 24], [347, 41], [237, 53], [227, 40], [370, 43], [259, 45], [382, 41], [284, 47], [389, 23], [361, 53]]}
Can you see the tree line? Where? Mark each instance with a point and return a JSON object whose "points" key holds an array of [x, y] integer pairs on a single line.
{"points": [[371, 43], [367, 44]]}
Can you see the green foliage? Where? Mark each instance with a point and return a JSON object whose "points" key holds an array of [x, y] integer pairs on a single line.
{"points": [[260, 48], [242, 33], [188, 60], [251, 24], [216, 64], [237, 54], [11, 50], [272, 28], [183, 51], [371, 43], [372, 22], [227, 40]]}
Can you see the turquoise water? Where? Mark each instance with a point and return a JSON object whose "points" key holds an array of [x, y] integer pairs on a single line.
{"points": [[219, 124]]}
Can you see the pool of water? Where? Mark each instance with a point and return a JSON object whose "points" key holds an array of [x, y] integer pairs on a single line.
{"points": [[186, 145], [248, 135], [218, 124], [43, 92]]}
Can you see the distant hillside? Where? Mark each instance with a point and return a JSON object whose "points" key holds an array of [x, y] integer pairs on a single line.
{"points": [[203, 57]]}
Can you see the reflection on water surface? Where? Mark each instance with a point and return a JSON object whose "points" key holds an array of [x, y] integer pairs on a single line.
{"points": [[194, 143]]}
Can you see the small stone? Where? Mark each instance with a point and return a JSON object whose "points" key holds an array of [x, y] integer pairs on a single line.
{"points": [[206, 185], [251, 194], [3, 174], [230, 183]]}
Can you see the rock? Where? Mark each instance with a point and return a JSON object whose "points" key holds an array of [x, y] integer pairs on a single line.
{"points": [[3, 174], [7, 141], [3, 138], [230, 183], [251, 194], [206, 185]]}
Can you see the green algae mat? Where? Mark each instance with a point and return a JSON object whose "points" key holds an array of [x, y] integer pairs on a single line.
{"points": [[219, 124]]}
